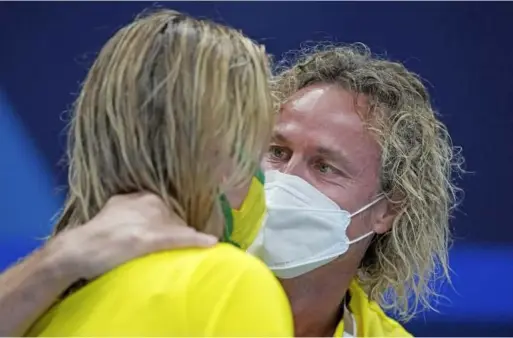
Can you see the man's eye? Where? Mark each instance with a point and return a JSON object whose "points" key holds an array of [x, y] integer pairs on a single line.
{"points": [[325, 168], [277, 152]]}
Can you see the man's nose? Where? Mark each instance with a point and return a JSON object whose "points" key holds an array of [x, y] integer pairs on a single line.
{"points": [[294, 166]]}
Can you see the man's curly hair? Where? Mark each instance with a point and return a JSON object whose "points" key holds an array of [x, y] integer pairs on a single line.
{"points": [[418, 163]]}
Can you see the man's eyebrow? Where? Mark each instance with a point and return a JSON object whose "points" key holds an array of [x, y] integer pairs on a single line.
{"points": [[278, 137]]}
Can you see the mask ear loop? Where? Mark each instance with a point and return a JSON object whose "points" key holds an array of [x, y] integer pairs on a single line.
{"points": [[357, 239], [362, 209]]}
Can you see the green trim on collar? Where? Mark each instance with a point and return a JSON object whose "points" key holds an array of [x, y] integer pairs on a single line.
{"points": [[228, 220], [260, 176]]}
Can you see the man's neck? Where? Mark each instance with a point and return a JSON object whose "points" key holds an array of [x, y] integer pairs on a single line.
{"points": [[316, 303]]}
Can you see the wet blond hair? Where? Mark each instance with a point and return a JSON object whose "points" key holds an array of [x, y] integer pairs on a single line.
{"points": [[418, 162], [169, 104]]}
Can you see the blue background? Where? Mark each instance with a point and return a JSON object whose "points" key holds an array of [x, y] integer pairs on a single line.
{"points": [[464, 50]]}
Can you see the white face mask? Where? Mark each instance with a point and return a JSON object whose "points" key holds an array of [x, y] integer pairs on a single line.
{"points": [[304, 229]]}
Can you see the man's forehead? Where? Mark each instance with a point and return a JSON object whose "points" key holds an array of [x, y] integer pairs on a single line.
{"points": [[327, 123], [325, 97], [307, 98], [327, 126]]}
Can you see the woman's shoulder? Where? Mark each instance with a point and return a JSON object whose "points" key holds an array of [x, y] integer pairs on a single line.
{"points": [[185, 266], [190, 259], [190, 276], [189, 286]]}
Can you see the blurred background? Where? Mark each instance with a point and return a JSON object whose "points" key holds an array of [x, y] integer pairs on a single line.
{"points": [[464, 50]]}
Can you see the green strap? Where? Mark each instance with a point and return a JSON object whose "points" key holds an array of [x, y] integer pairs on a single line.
{"points": [[228, 220], [227, 211]]}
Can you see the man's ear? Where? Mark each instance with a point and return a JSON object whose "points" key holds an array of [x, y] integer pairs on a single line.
{"points": [[385, 213]]}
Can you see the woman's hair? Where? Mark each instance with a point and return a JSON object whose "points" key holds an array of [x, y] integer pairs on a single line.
{"points": [[169, 105], [418, 162]]}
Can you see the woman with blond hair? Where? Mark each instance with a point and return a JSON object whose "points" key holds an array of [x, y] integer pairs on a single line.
{"points": [[179, 107]]}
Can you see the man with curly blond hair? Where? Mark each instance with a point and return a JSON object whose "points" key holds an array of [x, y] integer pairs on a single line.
{"points": [[359, 191], [357, 147]]}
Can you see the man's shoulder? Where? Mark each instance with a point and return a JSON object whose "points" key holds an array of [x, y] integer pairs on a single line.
{"points": [[371, 319]]}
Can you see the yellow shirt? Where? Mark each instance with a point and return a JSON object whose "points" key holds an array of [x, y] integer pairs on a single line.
{"points": [[221, 291], [370, 319]]}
